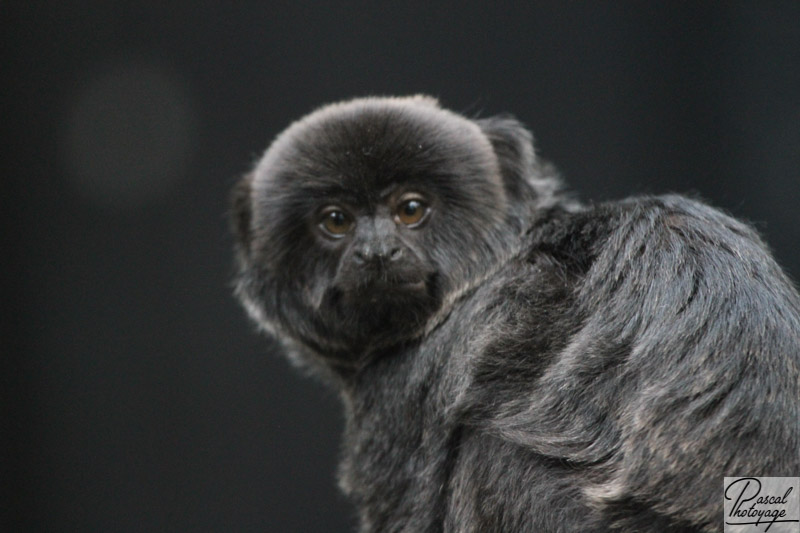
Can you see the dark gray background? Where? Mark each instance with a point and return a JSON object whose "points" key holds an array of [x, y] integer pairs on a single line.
{"points": [[136, 396]]}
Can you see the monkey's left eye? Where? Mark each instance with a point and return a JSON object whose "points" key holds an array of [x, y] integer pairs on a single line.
{"points": [[336, 222], [411, 210]]}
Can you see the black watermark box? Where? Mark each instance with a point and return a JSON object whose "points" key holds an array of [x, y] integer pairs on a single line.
{"points": [[762, 504]]}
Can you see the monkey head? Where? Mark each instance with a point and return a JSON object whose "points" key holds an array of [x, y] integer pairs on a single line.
{"points": [[364, 220]]}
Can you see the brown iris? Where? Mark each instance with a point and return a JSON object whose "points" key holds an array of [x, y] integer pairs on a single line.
{"points": [[336, 222], [411, 210]]}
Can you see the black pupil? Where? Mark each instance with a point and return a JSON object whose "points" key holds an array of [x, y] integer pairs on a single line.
{"points": [[337, 218], [411, 208]]}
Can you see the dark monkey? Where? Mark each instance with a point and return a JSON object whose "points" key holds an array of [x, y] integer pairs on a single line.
{"points": [[509, 359]]}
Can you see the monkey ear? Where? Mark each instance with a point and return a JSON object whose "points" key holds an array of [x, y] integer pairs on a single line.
{"points": [[513, 146], [521, 170], [241, 213]]}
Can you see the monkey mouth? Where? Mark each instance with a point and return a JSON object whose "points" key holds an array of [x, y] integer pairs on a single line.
{"points": [[381, 289], [384, 290], [379, 309], [413, 286]]}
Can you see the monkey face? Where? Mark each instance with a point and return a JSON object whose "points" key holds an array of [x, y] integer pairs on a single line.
{"points": [[381, 255], [363, 218], [379, 274]]}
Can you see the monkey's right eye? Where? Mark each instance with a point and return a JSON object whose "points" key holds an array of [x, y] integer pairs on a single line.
{"points": [[336, 222]]}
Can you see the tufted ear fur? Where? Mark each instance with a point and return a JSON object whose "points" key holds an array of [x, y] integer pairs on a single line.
{"points": [[512, 143], [528, 180], [241, 214]]}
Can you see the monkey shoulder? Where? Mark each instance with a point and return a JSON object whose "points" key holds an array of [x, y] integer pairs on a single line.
{"points": [[667, 250]]}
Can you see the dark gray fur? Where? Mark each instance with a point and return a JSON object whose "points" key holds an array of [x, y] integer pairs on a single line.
{"points": [[567, 367]]}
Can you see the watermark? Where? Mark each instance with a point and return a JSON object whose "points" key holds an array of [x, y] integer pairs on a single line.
{"points": [[760, 504]]}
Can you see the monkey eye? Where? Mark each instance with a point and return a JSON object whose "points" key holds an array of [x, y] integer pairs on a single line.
{"points": [[335, 222], [411, 210]]}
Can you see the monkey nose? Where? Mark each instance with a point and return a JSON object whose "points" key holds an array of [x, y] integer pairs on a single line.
{"points": [[380, 256]]}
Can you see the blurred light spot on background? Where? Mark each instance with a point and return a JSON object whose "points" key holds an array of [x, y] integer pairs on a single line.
{"points": [[128, 136]]}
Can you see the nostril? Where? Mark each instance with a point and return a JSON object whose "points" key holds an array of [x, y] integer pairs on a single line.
{"points": [[368, 256]]}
